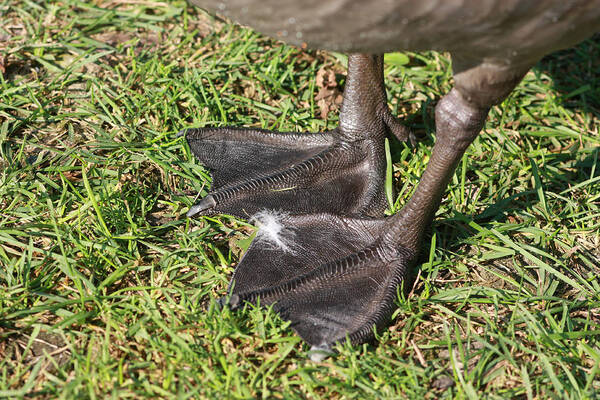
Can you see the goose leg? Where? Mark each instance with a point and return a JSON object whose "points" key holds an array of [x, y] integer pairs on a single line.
{"points": [[339, 276], [340, 171]]}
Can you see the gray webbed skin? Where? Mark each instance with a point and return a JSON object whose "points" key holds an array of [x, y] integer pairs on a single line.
{"points": [[341, 276]]}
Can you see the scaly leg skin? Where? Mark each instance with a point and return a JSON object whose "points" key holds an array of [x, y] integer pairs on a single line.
{"points": [[336, 277], [338, 172]]}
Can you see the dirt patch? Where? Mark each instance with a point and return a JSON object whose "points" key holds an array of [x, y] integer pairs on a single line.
{"points": [[28, 347]]}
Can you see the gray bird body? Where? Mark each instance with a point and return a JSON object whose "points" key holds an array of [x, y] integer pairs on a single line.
{"points": [[496, 31]]}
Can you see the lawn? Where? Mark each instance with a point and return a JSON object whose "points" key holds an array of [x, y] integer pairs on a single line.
{"points": [[107, 290]]}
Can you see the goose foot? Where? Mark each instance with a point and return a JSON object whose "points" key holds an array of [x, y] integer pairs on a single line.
{"points": [[340, 171], [337, 279]]}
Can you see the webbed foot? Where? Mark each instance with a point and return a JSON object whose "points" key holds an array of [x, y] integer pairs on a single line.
{"points": [[335, 278], [340, 171]]}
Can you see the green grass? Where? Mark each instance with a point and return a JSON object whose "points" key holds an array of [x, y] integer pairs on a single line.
{"points": [[108, 291]]}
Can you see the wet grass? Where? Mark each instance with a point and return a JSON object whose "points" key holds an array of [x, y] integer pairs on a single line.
{"points": [[107, 290]]}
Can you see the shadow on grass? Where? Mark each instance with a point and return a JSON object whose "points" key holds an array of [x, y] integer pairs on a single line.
{"points": [[575, 73]]}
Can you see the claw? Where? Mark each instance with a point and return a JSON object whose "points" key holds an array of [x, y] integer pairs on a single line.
{"points": [[319, 353], [398, 129], [232, 301], [205, 204]]}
